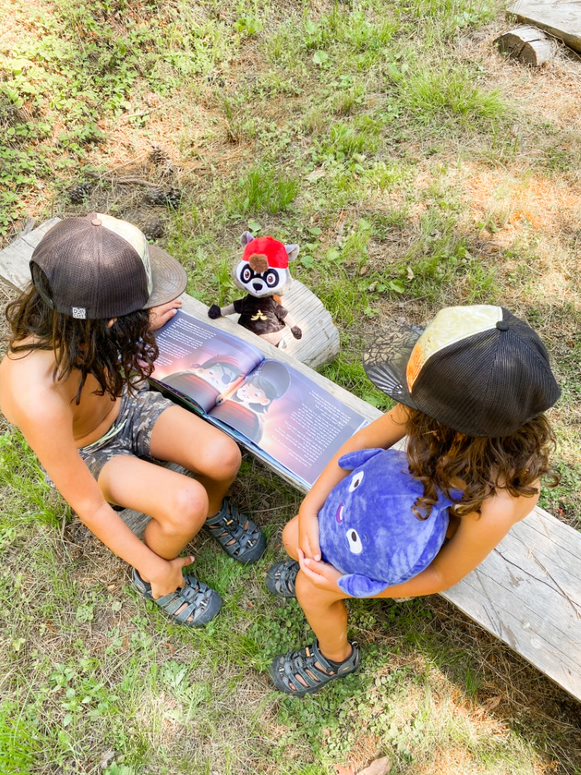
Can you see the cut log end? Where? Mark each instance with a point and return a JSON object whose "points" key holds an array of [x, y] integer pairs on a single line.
{"points": [[528, 45]]}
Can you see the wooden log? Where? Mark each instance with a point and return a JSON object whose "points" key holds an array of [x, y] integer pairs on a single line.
{"points": [[560, 18], [527, 44]]}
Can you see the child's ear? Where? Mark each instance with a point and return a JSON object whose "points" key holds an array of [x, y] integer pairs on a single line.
{"points": [[355, 459], [292, 251]]}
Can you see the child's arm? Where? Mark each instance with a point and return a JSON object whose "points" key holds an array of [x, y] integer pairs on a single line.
{"points": [[382, 433], [47, 426], [477, 535]]}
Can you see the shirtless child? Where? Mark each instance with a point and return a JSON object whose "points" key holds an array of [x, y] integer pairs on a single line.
{"points": [[73, 382]]}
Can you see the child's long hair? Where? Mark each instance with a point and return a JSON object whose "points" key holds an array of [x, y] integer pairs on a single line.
{"points": [[117, 356], [439, 457]]}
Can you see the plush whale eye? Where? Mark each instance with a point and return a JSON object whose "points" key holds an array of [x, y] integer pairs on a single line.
{"points": [[356, 481], [355, 545]]}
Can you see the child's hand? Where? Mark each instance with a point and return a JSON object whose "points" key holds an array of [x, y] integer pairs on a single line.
{"points": [[323, 575], [170, 578], [309, 535], [159, 316]]}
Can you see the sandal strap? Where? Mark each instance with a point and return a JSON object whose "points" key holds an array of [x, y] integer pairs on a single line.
{"points": [[227, 528], [186, 605], [307, 670], [282, 578]]}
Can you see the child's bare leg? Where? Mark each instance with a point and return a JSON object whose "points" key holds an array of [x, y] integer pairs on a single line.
{"points": [[290, 538], [327, 614], [177, 505], [180, 437], [325, 611]]}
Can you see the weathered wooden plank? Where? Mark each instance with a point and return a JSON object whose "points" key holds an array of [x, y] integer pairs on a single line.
{"points": [[527, 592], [529, 45], [561, 18], [547, 526], [15, 257], [320, 341], [489, 604]]}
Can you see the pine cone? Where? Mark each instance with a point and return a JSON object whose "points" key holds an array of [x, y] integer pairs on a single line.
{"points": [[168, 197], [154, 229], [158, 156], [79, 194]]}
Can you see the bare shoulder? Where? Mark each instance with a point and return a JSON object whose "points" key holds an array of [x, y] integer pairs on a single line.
{"points": [[508, 508], [27, 388]]}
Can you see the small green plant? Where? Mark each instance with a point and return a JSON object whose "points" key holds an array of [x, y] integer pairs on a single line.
{"points": [[20, 740], [448, 93], [264, 189]]}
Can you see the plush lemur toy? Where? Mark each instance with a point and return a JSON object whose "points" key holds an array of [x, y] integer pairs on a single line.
{"points": [[368, 530], [262, 273]]}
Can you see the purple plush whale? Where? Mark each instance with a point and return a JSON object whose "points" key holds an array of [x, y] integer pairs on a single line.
{"points": [[368, 530]]}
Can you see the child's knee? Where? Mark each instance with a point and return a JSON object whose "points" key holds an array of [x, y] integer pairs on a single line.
{"points": [[290, 538], [187, 510], [222, 461]]}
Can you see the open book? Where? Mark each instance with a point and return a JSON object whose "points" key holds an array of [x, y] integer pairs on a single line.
{"points": [[272, 409]]}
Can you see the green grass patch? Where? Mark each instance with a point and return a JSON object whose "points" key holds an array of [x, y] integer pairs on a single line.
{"points": [[264, 190]]}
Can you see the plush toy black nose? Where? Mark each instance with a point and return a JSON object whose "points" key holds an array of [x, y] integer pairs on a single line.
{"points": [[257, 286]]}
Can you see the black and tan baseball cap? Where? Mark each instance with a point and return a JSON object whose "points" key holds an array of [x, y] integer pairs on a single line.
{"points": [[477, 369], [99, 267]]}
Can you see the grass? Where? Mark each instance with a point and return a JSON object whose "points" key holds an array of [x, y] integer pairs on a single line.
{"points": [[415, 168]]}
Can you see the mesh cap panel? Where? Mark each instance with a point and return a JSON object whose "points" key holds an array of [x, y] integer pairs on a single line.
{"points": [[488, 383], [99, 267]]}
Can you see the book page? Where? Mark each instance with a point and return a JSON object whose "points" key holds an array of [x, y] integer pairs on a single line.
{"points": [[199, 361], [291, 418]]}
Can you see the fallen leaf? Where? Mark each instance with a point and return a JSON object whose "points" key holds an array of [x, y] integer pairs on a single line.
{"points": [[107, 758], [378, 767]]}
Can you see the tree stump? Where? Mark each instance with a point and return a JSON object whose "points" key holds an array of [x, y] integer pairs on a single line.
{"points": [[527, 44]]}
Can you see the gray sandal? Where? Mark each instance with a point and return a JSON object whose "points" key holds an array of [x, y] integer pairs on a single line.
{"points": [[281, 579], [306, 671], [237, 535], [194, 605]]}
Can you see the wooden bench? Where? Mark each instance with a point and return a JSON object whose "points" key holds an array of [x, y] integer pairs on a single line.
{"points": [[527, 592]]}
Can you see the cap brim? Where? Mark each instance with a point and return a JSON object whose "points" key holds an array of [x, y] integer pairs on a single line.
{"points": [[168, 277], [386, 361]]}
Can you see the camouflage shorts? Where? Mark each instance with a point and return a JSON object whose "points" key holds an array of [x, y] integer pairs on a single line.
{"points": [[131, 432]]}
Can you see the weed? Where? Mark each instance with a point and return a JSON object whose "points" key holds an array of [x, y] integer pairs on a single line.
{"points": [[264, 189], [447, 93]]}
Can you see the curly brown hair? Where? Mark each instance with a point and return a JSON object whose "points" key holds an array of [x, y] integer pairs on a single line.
{"points": [[441, 458], [119, 355]]}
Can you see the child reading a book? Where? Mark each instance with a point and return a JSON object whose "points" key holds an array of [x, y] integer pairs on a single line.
{"points": [[73, 382], [471, 392]]}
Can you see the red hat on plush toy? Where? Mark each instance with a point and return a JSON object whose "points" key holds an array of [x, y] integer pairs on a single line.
{"points": [[268, 248]]}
